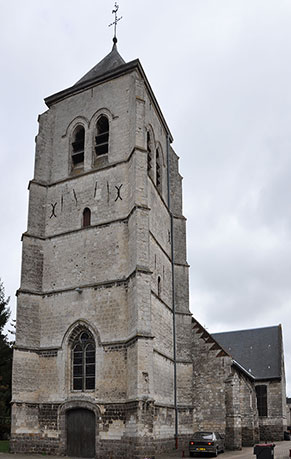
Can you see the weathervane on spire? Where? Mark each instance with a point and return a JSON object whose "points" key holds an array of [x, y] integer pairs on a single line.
{"points": [[116, 6]]}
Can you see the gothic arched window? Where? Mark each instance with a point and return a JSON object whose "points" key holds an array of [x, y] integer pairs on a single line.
{"points": [[78, 145], [86, 217], [83, 361], [102, 137]]}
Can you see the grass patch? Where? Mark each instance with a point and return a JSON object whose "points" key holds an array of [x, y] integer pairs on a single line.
{"points": [[4, 446]]}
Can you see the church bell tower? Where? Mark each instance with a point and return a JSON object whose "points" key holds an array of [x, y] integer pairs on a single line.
{"points": [[102, 364]]}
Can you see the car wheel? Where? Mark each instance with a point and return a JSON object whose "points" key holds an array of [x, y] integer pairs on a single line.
{"points": [[216, 452]]}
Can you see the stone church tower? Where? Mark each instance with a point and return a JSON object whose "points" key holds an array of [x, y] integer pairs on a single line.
{"points": [[104, 285]]}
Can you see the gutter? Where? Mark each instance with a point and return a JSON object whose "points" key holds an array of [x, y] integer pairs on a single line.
{"points": [[243, 370], [173, 293]]}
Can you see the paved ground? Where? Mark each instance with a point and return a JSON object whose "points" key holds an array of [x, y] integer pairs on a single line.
{"points": [[281, 451]]}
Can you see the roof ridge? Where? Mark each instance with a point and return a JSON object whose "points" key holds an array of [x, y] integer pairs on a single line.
{"points": [[111, 61], [247, 329]]}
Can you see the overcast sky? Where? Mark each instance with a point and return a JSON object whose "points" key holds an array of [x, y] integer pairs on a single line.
{"points": [[221, 71]]}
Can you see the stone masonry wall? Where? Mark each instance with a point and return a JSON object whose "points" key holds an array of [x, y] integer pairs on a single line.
{"points": [[233, 430], [272, 427], [210, 370], [115, 437], [224, 399], [249, 413]]}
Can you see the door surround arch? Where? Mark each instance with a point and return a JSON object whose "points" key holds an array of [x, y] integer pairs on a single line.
{"points": [[72, 405]]}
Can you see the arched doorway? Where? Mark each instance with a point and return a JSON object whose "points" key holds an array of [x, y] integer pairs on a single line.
{"points": [[81, 432]]}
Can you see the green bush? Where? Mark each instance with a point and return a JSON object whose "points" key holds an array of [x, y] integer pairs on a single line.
{"points": [[4, 428], [4, 446]]}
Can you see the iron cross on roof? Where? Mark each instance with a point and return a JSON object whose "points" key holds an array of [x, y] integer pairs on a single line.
{"points": [[114, 11]]}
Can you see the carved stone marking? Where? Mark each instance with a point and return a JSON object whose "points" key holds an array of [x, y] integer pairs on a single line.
{"points": [[75, 196], [95, 189], [53, 209], [118, 195], [108, 192]]}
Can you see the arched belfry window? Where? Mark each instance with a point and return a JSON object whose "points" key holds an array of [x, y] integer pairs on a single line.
{"points": [[102, 137], [83, 361], [158, 170], [149, 150], [86, 217], [78, 145]]}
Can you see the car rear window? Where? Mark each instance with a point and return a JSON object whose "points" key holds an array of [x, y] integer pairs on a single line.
{"points": [[203, 435]]}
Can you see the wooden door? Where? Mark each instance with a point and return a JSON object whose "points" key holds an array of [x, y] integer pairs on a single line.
{"points": [[81, 433]]}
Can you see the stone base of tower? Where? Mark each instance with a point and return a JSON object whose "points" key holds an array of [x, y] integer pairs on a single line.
{"points": [[114, 449], [132, 430]]}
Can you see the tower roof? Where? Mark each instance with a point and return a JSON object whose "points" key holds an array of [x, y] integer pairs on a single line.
{"points": [[110, 67], [108, 63]]}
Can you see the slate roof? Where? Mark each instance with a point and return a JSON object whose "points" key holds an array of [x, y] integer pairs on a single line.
{"points": [[110, 67], [108, 63], [258, 350]]}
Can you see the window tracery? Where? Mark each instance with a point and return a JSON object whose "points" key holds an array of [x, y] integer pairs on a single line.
{"points": [[83, 361]]}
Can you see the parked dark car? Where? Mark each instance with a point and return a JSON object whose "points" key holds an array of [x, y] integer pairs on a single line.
{"points": [[206, 442]]}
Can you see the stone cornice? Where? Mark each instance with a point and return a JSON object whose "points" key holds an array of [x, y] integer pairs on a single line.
{"points": [[95, 286], [90, 172], [112, 344]]}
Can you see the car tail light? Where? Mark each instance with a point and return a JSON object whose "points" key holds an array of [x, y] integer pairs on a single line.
{"points": [[210, 443], [192, 443]]}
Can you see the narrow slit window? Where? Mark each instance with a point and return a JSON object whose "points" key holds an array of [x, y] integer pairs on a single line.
{"points": [[78, 147], [159, 286], [102, 137], [86, 217]]}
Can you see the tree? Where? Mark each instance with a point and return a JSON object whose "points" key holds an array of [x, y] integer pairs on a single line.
{"points": [[5, 363]]}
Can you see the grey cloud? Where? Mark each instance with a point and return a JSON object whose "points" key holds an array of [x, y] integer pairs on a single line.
{"points": [[221, 73]]}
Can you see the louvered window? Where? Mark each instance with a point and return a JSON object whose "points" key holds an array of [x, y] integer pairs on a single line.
{"points": [[158, 171], [78, 147], [102, 137], [149, 150]]}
